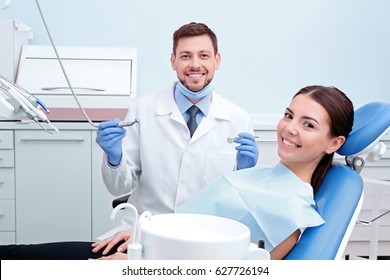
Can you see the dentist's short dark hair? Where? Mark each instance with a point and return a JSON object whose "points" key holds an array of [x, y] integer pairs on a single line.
{"points": [[194, 29]]}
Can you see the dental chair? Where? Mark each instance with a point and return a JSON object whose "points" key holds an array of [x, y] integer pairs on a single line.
{"points": [[340, 196]]}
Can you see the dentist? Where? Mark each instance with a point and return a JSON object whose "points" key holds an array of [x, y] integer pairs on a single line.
{"points": [[168, 156]]}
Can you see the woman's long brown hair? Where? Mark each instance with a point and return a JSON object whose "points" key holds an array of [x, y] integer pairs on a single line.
{"points": [[341, 112]]}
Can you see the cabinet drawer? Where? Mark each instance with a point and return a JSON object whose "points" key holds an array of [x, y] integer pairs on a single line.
{"points": [[7, 183], [7, 214], [6, 158], [6, 139]]}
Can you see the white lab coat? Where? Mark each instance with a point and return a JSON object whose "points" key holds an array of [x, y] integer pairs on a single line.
{"points": [[161, 165]]}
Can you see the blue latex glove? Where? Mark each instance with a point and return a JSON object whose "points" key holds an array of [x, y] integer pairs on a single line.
{"points": [[247, 151], [109, 137]]}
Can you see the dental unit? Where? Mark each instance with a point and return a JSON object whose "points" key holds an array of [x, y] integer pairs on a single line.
{"points": [[14, 100]]}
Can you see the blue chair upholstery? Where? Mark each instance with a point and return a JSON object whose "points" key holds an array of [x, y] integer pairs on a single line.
{"points": [[337, 199], [371, 121], [340, 196]]}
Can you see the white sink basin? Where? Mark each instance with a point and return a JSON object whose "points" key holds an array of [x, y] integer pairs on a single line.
{"points": [[193, 237]]}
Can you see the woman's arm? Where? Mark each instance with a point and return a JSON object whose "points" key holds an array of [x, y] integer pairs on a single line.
{"points": [[280, 251]]}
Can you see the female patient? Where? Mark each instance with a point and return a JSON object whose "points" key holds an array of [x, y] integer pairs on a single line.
{"points": [[276, 203], [314, 126]]}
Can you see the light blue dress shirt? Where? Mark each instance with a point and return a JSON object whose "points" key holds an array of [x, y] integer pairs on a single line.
{"points": [[183, 103]]}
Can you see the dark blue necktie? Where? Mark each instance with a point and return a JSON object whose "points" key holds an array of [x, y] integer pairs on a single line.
{"points": [[192, 125]]}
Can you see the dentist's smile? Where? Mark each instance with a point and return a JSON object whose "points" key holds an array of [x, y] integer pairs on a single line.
{"points": [[195, 75]]}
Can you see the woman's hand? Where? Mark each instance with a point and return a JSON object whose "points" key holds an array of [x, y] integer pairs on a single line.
{"points": [[111, 241]]}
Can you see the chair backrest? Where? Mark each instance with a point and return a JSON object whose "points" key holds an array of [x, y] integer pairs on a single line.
{"points": [[339, 201], [340, 197]]}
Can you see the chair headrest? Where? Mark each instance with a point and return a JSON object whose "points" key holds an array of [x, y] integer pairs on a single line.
{"points": [[371, 123]]}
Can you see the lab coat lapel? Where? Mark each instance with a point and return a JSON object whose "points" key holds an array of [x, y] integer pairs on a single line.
{"points": [[218, 110], [167, 105]]}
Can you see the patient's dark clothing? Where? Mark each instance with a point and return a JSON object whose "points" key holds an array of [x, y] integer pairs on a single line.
{"points": [[51, 251]]}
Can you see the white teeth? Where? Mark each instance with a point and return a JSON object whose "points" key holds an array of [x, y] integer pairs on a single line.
{"points": [[289, 143], [195, 75]]}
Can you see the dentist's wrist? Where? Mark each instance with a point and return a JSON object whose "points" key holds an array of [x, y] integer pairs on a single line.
{"points": [[113, 164], [114, 161]]}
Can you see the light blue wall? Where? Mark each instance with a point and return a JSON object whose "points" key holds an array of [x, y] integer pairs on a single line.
{"points": [[270, 48]]}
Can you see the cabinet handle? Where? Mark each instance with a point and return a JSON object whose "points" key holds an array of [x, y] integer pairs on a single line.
{"points": [[2, 215], [62, 88], [51, 140], [1, 182]]}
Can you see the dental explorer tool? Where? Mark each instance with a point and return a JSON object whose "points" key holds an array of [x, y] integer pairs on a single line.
{"points": [[232, 139], [66, 76], [125, 123], [364, 222]]}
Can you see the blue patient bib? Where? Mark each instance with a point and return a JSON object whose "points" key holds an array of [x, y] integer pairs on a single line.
{"points": [[272, 202]]}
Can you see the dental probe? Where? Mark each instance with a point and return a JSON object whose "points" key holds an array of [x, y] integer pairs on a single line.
{"points": [[232, 139], [125, 123]]}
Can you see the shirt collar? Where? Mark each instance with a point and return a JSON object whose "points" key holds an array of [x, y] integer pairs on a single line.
{"points": [[183, 103]]}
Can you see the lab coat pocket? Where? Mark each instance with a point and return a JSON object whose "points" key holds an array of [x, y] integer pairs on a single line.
{"points": [[218, 163]]}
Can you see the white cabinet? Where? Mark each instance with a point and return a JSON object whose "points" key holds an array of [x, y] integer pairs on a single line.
{"points": [[51, 187], [7, 187], [374, 239], [102, 77]]}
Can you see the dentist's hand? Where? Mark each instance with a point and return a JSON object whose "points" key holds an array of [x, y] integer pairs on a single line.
{"points": [[109, 137], [247, 151]]}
